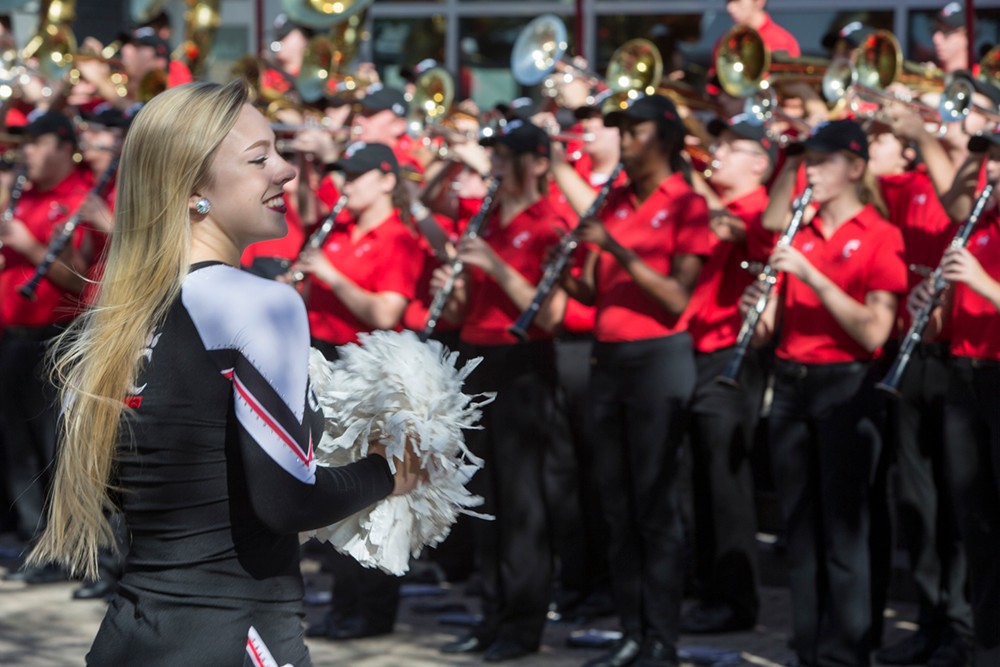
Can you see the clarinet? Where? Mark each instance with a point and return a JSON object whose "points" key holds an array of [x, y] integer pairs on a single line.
{"points": [[59, 241], [16, 188], [890, 383], [555, 267], [471, 231], [768, 276], [319, 237]]}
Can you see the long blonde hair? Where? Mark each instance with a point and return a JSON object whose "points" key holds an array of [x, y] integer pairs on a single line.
{"points": [[166, 158]]}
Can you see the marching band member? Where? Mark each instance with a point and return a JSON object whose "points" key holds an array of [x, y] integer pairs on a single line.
{"points": [[186, 401], [752, 13], [504, 265], [972, 430], [649, 245], [951, 41], [723, 420], [837, 308], [916, 424], [57, 189], [362, 280]]}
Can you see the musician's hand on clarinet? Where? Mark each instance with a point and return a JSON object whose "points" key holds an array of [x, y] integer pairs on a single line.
{"points": [[921, 297], [789, 260], [593, 231], [474, 251], [315, 263], [15, 235], [95, 211], [960, 266], [751, 295]]}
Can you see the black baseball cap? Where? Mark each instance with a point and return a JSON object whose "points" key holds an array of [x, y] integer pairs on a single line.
{"points": [[853, 33], [742, 127], [51, 122], [522, 137], [594, 108], [360, 158], [520, 108], [647, 107], [836, 135], [283, 26], [980, 143], [106, 115], [149, 37], [379, 98], [951, 15]]}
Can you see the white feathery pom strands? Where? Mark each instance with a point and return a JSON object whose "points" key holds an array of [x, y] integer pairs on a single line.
{"points": [[394, 389]]}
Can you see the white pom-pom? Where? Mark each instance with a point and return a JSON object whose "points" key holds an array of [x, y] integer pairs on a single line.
{"points": [[394, 389]]}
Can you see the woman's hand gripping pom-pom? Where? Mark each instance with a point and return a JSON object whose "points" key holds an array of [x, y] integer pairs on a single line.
{"points": [[394, 392]]}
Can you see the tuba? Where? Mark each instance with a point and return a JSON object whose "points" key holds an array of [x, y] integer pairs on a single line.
{"points": [[327, 56]]}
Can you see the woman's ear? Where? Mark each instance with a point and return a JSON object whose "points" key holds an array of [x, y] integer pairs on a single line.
{"points": [[856, 168]]}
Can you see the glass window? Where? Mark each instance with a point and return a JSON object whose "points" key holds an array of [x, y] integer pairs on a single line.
{"points": [[404, 42], [485, 47]]}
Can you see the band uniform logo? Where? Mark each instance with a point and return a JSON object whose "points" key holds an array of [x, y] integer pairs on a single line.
{"points": [[850, 247]]}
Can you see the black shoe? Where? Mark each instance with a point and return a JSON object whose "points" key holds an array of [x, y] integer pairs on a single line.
{"points": [[38, 574], [95, 590], [956, 651], [506, 649], [655, 653], [714, 618], [624, 653], [467, 644], [915, 649]]}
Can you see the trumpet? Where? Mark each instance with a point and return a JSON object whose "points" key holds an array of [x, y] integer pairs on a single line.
{"points": [[769, 277], [555, 267], [59, 241], [318, 238], [957, 102], [473, 229], [845, 78], [890, 383]]}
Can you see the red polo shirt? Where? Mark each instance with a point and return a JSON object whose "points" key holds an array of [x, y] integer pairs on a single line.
{"points": [[914, 207], [672, 221], [778, 39], [975, 322], [522, 243], [715, 318], [415, 316], [385, 259], [864, 254], [42, 212]]}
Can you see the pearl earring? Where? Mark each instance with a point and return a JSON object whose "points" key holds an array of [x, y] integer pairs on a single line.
{"points": [[202, 206]]}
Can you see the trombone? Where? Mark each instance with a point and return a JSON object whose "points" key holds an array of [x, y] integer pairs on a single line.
{"points": [[743, 63]]}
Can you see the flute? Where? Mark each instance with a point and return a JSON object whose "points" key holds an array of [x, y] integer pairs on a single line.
{"points": [[59, 241], [318, 238], [555, 267], [922, 317], [471, 231], [768, 276]]}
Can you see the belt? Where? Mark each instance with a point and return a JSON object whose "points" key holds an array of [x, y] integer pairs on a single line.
{"points": [[801, 371]]}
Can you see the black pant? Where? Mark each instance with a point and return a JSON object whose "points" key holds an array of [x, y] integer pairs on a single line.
{"points": [[923, 504], [29, 405], [514, 550], [578, 527], [360, 595], [640, 392], [972, 462], [721, 431], [823, 448]]}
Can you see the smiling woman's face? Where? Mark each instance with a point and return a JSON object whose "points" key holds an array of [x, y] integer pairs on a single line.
{"points": [[248, 178]]}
